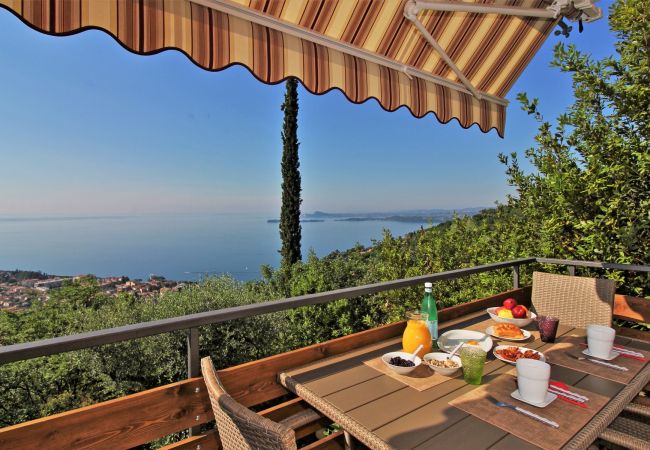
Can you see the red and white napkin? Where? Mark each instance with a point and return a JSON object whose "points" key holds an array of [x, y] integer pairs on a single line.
{"points": [[627, 353], [564, 393]]}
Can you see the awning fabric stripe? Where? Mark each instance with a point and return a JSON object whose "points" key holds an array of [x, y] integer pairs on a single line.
{"points": [[492, 50]]}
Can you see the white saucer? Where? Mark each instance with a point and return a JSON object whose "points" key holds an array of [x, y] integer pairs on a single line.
{"points": [[549, 399], [612, 355]]}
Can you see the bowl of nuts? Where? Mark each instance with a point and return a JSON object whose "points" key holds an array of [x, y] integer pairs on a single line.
{"points": [[441, 363]]}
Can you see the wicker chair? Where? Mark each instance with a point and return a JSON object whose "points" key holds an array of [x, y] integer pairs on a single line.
{"points": [[578, 301], [240, 428], [631, 429]]}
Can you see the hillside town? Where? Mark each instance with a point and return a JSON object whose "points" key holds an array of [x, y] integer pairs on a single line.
{"points": [[20, 289]]}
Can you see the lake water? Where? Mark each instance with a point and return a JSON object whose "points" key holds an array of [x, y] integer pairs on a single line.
{"points": [[179, 247]]}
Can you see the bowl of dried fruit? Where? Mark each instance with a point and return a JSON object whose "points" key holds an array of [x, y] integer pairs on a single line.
{"points": [[401, 362], [442, 364]]}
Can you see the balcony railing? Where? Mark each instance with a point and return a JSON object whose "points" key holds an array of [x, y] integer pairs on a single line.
{"points": [[191, 322]]}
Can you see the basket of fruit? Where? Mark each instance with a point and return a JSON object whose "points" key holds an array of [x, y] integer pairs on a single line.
{"points": [[512, 312]]}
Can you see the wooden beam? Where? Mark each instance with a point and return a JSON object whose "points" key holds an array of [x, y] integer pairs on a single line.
{"points": [[522, 295], [121, 423], [256, 382], [634, 309], [334, 441], [283, 410], [207, 441], [632, 333], [311, 428]]}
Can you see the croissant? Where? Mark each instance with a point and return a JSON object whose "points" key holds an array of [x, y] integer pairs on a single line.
{"points": [[508, 330]]}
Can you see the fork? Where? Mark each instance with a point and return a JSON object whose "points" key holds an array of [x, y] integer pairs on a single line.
{"points": [[525, 412], [603, 363]]}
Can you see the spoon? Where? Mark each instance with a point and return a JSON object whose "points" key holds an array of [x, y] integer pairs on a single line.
{"points": [[416, 352], [453, 352]]}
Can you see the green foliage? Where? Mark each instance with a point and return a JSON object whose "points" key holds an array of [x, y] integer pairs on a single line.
{"points": [[290, 230], [44, 386], [589, 196]]}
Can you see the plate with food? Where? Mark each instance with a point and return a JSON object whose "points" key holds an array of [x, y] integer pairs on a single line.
{"points": [[508, 332], [450, 339], [510, 353]]}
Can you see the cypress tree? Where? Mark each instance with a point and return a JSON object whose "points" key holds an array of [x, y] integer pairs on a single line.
{"points": [[290, 230]]}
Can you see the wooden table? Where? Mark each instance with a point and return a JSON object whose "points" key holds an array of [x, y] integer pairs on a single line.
{"points": [[384, 413]]}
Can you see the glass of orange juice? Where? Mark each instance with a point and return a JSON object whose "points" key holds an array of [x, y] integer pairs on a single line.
{"points": [[416, 333]]}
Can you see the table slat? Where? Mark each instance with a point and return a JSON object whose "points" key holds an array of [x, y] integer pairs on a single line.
{"points": [[465, 434]]}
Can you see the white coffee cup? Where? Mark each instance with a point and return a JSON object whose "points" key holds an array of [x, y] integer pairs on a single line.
{"points": [[600, 340], [532, 379]]}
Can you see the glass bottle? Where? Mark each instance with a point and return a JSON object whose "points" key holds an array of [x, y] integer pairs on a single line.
{"points": [[416, 333], [429, 307]]}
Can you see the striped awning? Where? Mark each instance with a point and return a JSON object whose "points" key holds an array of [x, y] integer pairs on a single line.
{"points": [[365, 48]]}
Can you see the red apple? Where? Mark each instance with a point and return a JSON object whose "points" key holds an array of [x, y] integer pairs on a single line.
{"points": [[519, 312], [509, 303]]}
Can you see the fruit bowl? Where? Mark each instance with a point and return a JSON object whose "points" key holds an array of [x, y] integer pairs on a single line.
{"points": [[518, 322], [400, 369]]}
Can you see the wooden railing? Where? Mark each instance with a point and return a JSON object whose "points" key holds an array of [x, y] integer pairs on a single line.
{"points": [[153, 414]]}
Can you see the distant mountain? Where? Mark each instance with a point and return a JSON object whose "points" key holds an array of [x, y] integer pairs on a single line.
{"points": [[412, 215], [301, 220]]}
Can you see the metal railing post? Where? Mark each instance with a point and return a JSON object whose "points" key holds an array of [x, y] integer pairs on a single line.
{"points": [[515, 277], [193, 359], [572, 271], [193, 365]]}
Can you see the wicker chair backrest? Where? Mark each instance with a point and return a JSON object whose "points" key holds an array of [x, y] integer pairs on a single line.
{"points": [[577, 301], [240, 428]]}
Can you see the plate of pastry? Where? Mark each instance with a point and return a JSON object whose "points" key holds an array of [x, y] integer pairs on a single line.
{"points": [[508, 332]]}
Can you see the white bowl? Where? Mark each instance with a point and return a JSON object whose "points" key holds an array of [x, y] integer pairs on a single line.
{"points": [[518, 322], [438, 356], [401, 370], [450, 339]]}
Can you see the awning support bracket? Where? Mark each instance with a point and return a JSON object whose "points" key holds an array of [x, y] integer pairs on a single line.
{"points": [[411, 10], [588, 12]]}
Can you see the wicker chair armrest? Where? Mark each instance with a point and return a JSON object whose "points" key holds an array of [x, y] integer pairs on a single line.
{"points": [[638, 409], [624, 440]]}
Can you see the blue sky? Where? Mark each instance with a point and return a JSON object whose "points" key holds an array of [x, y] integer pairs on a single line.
{"points": [[89, 128]]}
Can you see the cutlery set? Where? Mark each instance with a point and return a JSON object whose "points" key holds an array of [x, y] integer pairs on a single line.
{"points": [[555, 387], [597, 361], [525, 412]]}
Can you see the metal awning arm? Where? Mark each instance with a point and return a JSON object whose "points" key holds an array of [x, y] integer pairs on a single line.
{"points": [[587, 12], [411, 9], [586, 9]]}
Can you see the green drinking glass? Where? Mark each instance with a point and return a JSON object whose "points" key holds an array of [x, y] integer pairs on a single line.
{"points": [[473, 360]]}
